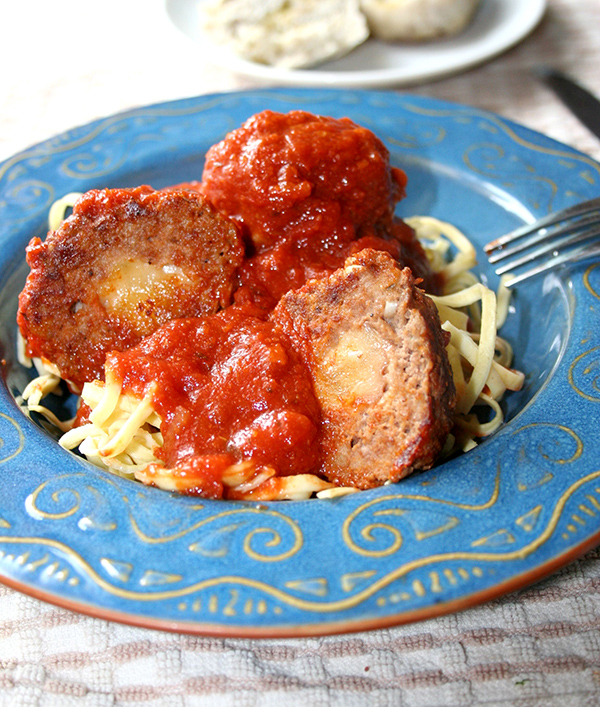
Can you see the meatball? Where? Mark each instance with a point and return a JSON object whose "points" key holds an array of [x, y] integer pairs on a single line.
{"points": [[297, 176], [374, 344], [124, 263], [309, 191]]}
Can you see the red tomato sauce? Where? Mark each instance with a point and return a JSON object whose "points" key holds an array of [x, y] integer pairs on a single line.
{"points": [[299, 176], [308, 191], [230, 389]]}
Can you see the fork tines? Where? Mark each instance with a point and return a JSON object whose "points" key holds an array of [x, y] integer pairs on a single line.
{"points": [[554, 236]]}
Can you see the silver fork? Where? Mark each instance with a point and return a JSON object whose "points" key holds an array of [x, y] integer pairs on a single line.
{"points": [[565, 236]]}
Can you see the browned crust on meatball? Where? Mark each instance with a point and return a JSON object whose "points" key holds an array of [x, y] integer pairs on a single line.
{"points": [[125, 262], [378, 357]]}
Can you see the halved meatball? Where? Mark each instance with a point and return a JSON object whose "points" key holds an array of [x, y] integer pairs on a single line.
{"points": [[377, 353], [124, 263]]}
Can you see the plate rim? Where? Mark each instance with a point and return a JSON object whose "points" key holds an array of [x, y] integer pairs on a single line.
{"points": [[317, 629]]}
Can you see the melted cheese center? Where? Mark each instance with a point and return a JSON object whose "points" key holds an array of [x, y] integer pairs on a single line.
{"points": [[353, 372], [142, 293]]}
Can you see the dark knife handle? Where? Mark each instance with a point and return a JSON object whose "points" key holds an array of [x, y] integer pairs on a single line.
{"points": [[579, 100]]}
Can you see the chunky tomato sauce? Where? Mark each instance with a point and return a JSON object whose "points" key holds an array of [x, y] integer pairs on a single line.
{"points": [[308, 191], [299, 176], [230, 388]]}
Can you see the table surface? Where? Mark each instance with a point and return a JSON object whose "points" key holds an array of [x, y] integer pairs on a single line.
{"points": [[65, 64]]}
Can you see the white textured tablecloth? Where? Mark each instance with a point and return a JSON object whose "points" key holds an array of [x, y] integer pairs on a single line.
{"points": [[66, 62]]}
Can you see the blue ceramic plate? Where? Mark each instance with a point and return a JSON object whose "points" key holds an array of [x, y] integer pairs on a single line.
{"points": [[520, 505]]}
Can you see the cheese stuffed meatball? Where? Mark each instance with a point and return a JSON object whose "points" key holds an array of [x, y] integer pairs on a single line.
{"points": [[124, 263]]}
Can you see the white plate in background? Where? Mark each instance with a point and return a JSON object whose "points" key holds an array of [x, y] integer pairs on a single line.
{"points": [[497, 26]]}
